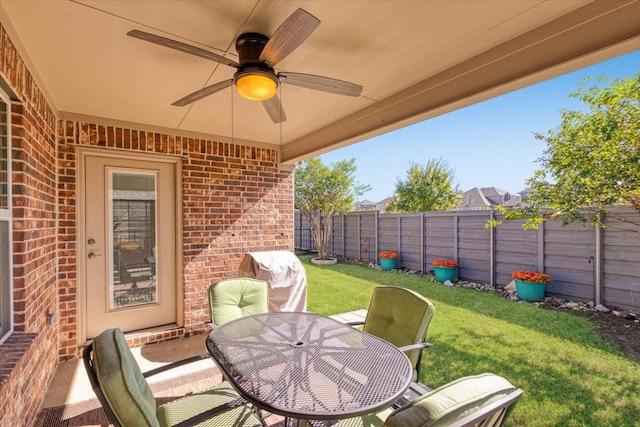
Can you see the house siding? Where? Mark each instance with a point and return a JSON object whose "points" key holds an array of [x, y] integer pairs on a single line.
{"points": [[235, 199]]}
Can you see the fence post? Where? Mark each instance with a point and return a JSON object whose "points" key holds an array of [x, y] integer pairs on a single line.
{"points": [[598, 263], [422, 243], [377, 242], [399, 243], [492, 249], [359, 237], [455, 236], [344, 236], [333, 236], [541, 247]]}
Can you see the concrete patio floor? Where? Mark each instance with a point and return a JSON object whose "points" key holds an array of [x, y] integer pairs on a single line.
{"points": [[71, 384]]}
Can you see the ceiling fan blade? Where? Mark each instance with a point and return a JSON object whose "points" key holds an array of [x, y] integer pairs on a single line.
{"points": [[183, 47], [274, 109], [202, 93], [324, 84], [289, 35]]}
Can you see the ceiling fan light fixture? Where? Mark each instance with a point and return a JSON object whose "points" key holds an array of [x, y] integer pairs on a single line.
{"points": [[256, 85], [256, 78]]}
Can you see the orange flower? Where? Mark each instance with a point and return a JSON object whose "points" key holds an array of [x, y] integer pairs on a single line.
{"points": [[388, 254], [530, 276], [445, 263]]}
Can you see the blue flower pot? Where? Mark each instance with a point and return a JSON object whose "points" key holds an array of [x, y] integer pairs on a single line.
{"points": [[388, 263], [530, 291], [442, 274]]}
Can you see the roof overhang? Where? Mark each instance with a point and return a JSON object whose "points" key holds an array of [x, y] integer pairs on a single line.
{"points": [[416, 60]]}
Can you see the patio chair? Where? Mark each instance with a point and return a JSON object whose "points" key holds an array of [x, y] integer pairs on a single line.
{"points": [[484, 400], [401, 317], [231, 299], [125, 395]]}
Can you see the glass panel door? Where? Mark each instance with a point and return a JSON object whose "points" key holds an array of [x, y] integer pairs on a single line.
{"points": [[132, 200], [129, 242]]}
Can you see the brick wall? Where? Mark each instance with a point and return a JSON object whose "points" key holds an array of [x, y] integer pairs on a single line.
{"points": [[23, 383], [28, 358], [234, 198], [34, 221], [235, 201]]}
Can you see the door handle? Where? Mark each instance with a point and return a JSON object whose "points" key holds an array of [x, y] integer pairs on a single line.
{"points": [[92, 255]]}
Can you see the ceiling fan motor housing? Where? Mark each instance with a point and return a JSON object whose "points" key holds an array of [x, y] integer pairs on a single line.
{"points": [[249, 47]]}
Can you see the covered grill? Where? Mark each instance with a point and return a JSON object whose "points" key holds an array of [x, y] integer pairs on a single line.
{"points": [[284, 273]]}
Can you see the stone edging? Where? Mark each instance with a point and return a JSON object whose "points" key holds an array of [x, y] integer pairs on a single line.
{"points": [[505, 292]]}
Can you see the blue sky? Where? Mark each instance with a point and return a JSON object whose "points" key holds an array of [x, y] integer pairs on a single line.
{"points": [[490, 144]]}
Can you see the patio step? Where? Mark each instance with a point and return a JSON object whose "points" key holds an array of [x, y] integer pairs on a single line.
{"points": [[351, 316]]}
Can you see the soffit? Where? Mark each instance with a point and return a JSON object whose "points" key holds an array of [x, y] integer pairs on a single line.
{"points": [[414, 59]]}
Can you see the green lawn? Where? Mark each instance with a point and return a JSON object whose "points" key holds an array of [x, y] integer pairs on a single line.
{"points": [[570, 376]]}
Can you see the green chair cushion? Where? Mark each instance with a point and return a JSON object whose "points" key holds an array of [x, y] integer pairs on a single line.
{"points": [[234, 298], [453, 401], [182, 409], [399, 316], [121, 380]]}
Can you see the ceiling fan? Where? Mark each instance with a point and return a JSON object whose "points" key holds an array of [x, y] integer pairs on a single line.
{"points": [[256, 78]]}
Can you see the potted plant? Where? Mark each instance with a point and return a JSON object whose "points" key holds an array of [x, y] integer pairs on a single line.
{"points": [[444, 269], [388, 260], [530, 285]]}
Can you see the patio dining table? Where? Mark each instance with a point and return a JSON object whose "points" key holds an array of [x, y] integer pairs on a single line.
{"points": [[306, 366]]}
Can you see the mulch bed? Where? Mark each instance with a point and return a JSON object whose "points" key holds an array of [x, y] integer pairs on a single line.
{"points": [[622, 332]]}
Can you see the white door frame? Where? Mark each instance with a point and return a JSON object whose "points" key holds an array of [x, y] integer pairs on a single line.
{"points": [[81, 254]]}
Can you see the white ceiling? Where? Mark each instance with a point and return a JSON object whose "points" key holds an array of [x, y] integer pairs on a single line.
{"points": [[415, 60]]}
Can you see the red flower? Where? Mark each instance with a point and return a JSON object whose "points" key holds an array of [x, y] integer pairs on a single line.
{"points": [[388, 255], [530, 276], [445, 263]]}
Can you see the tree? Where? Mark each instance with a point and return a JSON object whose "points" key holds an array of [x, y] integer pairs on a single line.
{"points": [[324, 191], [427, 188], [592, 159]]}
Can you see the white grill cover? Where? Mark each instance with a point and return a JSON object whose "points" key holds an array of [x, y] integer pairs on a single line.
{"points": [[284, 273]]}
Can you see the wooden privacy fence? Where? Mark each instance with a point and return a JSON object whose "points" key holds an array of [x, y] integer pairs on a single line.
{"points": [[587, 264]]}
